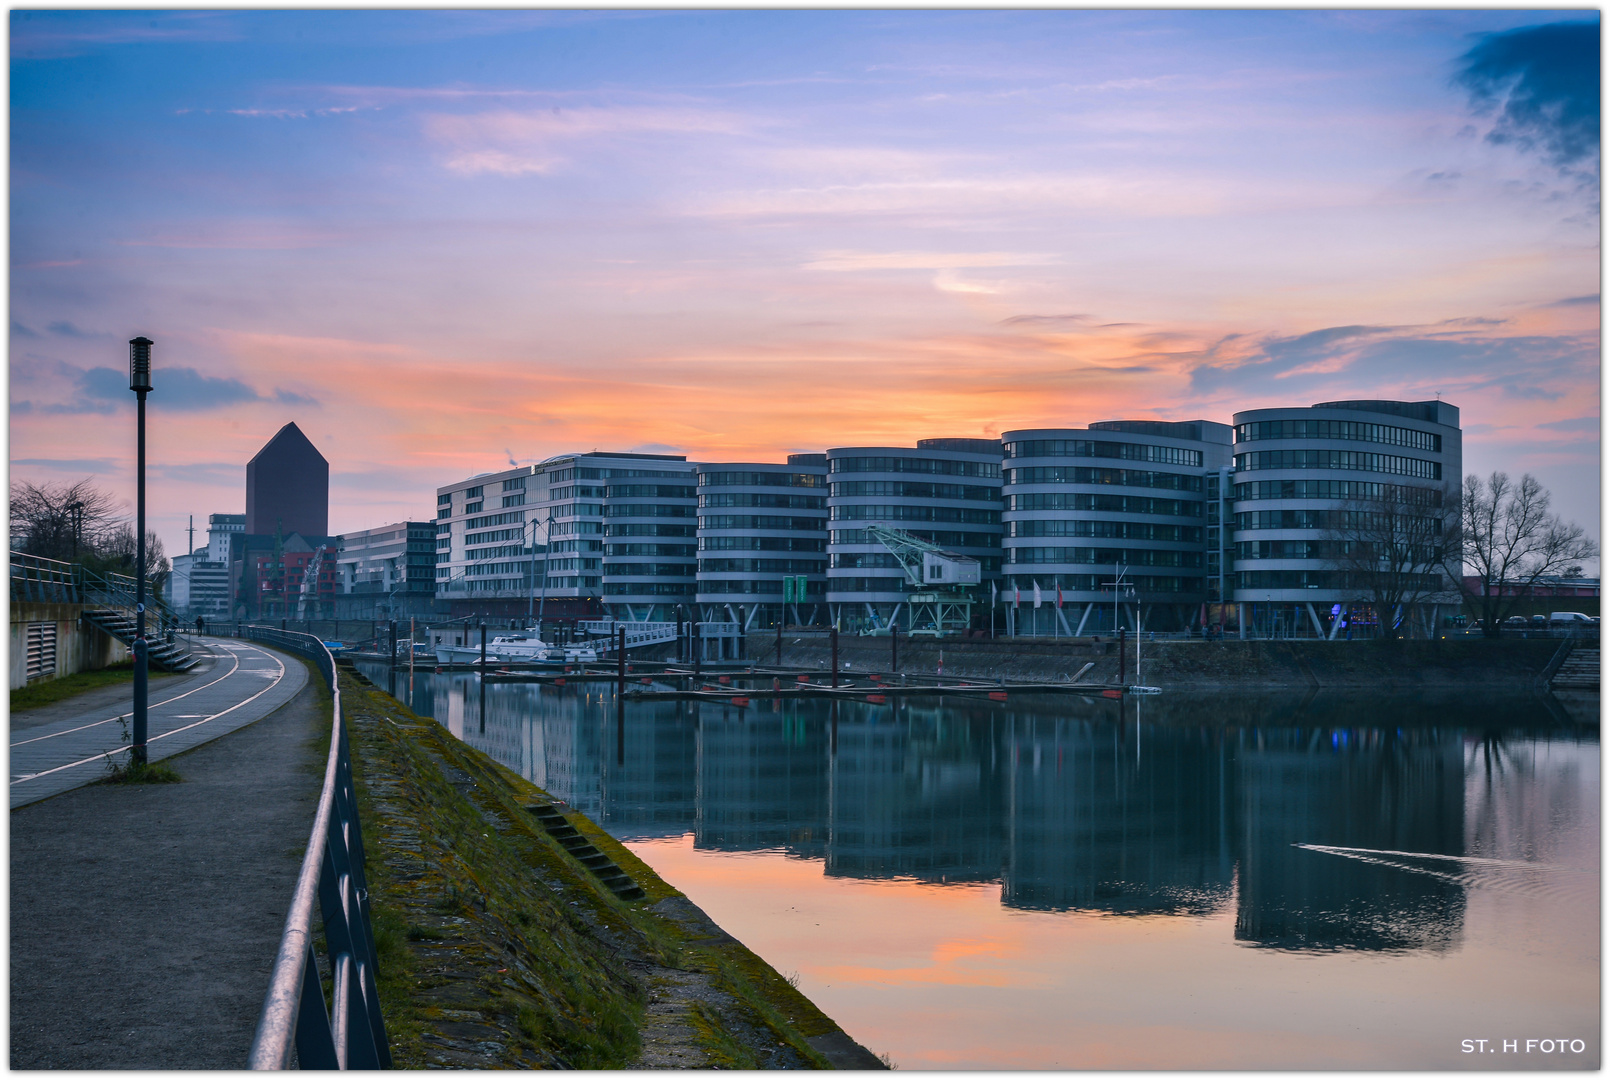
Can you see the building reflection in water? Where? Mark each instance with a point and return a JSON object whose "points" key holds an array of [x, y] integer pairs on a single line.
{"points": [[1294, 810]]}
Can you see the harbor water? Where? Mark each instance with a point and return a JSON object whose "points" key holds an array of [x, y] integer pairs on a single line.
{"points": [[1183, 881]]}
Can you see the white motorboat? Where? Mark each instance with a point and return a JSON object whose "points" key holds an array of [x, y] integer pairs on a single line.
{"points": [[516, 647]]}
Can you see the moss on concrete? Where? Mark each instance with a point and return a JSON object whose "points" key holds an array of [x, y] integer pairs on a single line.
{"points": [[499, 949]]}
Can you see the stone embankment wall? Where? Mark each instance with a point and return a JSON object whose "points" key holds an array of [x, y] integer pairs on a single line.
{"points": [[499, 949], [1187, 665], [79, 645]]}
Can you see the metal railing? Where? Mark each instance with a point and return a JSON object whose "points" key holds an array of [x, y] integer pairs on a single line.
{"points": [[55, 582], [47, 581], [348, 1033]]}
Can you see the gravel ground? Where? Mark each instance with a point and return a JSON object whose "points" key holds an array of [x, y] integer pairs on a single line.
{"points": [[144, 918]]}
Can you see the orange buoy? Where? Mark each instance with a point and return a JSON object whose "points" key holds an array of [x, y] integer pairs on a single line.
{"points": [[1112, 693], [724, 679], [740, 701], [876, 699], [559, 682], [997, 695]]}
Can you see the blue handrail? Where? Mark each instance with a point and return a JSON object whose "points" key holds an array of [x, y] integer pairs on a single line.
{"points": [[348, 1032]]}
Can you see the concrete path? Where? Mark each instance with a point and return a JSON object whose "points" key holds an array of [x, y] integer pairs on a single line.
{"points": [[145, 917], [69, 745]]}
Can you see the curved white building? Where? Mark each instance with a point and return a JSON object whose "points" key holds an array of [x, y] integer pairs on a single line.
{"points": [[1296, 469], [1121, 500], [944, 491], [763, 529]]}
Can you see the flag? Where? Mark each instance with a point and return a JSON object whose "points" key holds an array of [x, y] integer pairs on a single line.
{"points": [[1059, 596], [1036, 594], [1017, 595], [992, 594]]}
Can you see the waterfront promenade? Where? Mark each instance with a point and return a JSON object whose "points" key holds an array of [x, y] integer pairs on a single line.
{"points": [[64, 746], [145, 917]]}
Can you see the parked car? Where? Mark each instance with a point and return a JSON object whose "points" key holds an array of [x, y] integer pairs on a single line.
{"points": [[1516, 621], [1571, 617]]}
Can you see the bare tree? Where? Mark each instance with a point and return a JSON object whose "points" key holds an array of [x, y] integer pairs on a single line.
{"points": [[119, 553], [1509, 541], [60, 520], [1392, 547]]}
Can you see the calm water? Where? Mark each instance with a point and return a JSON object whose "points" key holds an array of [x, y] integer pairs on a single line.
{"points": [[1185, 881]]}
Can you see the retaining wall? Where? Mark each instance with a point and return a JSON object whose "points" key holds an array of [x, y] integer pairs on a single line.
{"points": [[80, 646]]}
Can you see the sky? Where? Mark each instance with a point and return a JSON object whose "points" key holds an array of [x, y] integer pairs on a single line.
{"points": [[442, 242]]}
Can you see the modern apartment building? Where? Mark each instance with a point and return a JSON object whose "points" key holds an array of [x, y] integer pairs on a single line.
{"points": [[1108, 523], [392, 559], [944, 491], [587, 534], [762, 541], [1300, 472]]}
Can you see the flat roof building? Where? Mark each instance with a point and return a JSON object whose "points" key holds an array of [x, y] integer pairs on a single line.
{"points": [[762, 537], [288, 487]]}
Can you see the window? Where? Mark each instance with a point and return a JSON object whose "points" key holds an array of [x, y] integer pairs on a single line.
{"points": [[446, 511], [514, 500], [515, 484], [915, 465], [1358, 460], [1162, 455], [444, 500], [1348, 430], [472, 493], [472, 508]]}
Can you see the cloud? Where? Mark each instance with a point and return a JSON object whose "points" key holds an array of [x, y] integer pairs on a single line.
{"points": [[1576, 301], [185, 389], [1576, 423], [512, 142], [1542, 83], [656, 448], [67, 329], [22, 331], [917, 260], [74, 465]]}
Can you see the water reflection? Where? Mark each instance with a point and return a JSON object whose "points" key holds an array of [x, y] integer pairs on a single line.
{"points": [[1328, 822]]}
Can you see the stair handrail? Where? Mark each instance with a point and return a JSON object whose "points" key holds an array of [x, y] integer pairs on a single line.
{"points": [[43, 580], [1557, 661], [349, 1032]]}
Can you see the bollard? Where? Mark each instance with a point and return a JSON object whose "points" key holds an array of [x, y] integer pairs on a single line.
{"points": [[894, 646], [833, 641], [394, 643], [696, 639], [1121, 656], [620, 664], [779, 642]]}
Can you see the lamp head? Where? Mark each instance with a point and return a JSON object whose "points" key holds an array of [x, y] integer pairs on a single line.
{"points": [[140, 364]]}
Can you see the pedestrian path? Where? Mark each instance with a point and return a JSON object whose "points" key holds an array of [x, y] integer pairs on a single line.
{"points": [[242, 682]]}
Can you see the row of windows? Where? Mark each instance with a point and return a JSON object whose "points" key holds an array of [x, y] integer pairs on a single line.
{"points": [[514, 500], [649, 491], [761, 566], [1346, 490], [483, 569], [647, 588], [514, 483], [750, 521], [516, 517], [753, 586], [865, 560], [577, 491], [763, 499], [1110, 504], [914, 489], [572, 564], [760, 543], [564, 476], [1161, 455], [496, 536], [574, 528], [866, 584], [649, 510], [1333, 580], [1077, 555], [933, 536], [1354, 521], [576, 545], [914, 465], [648, 530], [650, 569], [577, 509], [900, 512], [1331, 550], [588, 582], [1085, 474], [1351, 430], [685, 551], [1114, 530], [1357, 460], [494, 552], [444, 500], [762, 479]]}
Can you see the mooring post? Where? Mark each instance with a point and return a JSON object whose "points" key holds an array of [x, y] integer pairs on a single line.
{"points": [[833, 641], [894, 646], [620, 662], [1120, 656], [394, 644], [696, 639], [779, 641]]}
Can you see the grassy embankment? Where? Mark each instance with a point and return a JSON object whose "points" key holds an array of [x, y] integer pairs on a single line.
{"points": [[50, 691], [499, 949]]}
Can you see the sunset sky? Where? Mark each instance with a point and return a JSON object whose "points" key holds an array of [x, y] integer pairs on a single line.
{"points": [[442, 241]]}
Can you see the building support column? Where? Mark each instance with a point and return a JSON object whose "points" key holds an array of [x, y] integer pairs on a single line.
{"points": [[1241, 621], [1063, 619], [1319, 630], [1088, 608]]}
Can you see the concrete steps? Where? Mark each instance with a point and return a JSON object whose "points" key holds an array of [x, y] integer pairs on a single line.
{"points": [[120, 624], [601, 865], [1579, 672]]}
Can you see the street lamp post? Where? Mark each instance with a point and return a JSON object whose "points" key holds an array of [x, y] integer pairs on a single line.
{"points": [[140, 383]]}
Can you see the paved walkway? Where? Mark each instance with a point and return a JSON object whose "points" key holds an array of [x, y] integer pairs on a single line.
{"points": [[145, 917], [64, 746]]}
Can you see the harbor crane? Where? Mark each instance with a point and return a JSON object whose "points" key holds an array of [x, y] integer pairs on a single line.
{"points": [[941, 600]]}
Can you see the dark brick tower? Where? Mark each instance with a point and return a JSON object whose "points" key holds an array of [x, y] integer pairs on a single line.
{"points": [[288, 487]]}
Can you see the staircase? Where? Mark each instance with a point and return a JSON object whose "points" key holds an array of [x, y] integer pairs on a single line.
{"points": [[120, 624], [613, 877], [1580, 670]]}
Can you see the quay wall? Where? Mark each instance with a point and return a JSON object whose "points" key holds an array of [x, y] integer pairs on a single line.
{"points": [[80, 645], [1188, 665], [498, 949]]}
